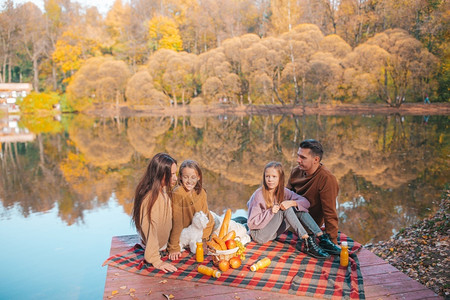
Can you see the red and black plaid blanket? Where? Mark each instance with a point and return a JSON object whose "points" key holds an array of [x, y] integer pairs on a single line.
{"points": [[290, 272]]}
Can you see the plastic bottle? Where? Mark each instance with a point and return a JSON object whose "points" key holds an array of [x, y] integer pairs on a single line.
{"points": [[199, 255], [260, 264], [344, 254], [208, 271]]}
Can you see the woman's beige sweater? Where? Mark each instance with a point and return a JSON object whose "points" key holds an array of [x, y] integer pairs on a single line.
{"points": [[156, 232]]}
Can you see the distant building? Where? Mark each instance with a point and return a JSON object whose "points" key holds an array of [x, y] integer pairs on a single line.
{"points": [[10, 92], [10, 132]]}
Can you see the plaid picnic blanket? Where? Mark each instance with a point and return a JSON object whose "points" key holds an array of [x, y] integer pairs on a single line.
{"points": [[290, 272]]}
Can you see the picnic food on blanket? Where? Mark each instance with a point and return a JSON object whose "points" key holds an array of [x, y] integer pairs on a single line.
{"points": [[213, 245], [235, 262], [226, 221], [218, 255], [208, 271], [231, 244], [221, 243], [241, 250], [344, 254], [230, 235], [224, 265], [260, 264], [226, 245], [199, 255]]}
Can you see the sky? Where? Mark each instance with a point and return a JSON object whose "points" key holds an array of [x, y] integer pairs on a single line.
{"points": [[103, 6]]}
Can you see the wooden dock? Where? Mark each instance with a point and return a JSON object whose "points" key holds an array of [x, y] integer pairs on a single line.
{"points": [[381, 281]]}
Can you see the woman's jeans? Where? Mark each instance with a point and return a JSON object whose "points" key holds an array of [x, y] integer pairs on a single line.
{"points": [[281, 222]]}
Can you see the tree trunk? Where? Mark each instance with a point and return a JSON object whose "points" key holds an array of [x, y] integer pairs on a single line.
{"points": [[294, 75], [303, 90], [174, 98], [55, 82], [275, 82], [9, 71], [182, 97], [35, 75], [3, 76]]}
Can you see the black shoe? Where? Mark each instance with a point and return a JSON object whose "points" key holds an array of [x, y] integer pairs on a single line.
{"points": [[311, 248], [326, 244]]}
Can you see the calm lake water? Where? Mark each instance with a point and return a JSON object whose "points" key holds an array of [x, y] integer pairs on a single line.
{"points": [[67, 184]]}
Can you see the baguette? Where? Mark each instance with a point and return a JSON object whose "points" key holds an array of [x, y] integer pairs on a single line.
{"points": [[229, 236], [221, 243], [225, 223], [214, 245]]}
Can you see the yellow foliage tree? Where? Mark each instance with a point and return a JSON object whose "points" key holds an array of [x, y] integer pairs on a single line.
{"points": [[164, 33], [35, 102], [67, 56]]}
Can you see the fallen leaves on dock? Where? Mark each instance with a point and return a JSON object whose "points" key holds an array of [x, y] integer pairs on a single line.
{"points": [[422, 250]]}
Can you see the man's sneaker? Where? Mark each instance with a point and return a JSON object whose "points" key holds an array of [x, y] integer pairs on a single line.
{"points": [[309, 246], [326, 244]]}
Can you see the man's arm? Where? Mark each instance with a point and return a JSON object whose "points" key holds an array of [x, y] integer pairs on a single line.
{"points": [[328, 195]]}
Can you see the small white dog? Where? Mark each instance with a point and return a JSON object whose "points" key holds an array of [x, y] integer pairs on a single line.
{"points": [[194, 232]]}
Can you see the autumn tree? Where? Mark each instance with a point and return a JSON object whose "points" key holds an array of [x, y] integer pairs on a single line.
{"points": [[409, 67], [164, 33], [301, 43], [125, 24], [100, 80], [364, 72], [285, 15], [180, 76], [263, 63], [32, 37], [141, 91], [9, 27]]}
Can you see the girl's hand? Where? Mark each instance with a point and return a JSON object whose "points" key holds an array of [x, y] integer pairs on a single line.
{"points": [[175, 255], [166, 267], [286, 204], [275, 208]]}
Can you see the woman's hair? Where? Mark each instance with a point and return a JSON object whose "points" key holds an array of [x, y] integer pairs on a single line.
{"points": [[157, 176], [278, 194], [193, 165]]}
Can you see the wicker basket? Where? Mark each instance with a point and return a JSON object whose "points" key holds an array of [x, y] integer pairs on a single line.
{"points": [[218, 255]]}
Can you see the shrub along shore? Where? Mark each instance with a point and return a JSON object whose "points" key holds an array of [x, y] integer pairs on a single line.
{"points": [[422, 250]]}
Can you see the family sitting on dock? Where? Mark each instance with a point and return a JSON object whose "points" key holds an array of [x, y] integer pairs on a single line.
{"points": [[164, 204]]}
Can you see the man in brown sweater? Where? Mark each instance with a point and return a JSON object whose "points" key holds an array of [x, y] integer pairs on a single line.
{"points": [[316, 183]]}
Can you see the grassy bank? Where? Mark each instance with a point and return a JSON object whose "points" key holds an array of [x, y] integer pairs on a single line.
{"points": [[324, 109]]}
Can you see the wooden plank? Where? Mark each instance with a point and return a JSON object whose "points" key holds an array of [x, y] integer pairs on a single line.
{"points": [[399, 289], [381, 280], [367, 258], [378, 269]]}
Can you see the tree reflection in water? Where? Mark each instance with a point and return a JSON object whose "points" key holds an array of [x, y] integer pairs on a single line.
{"points": [[391, 169]]}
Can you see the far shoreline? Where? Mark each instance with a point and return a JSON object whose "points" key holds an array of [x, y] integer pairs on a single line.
{"points": [[243, 110]]}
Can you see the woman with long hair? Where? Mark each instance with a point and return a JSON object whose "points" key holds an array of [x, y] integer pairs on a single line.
{"points": [[152, 210]]}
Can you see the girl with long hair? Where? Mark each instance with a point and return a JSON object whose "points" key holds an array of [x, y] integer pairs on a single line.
{"points": [[189, 197], [152, 210], [272, 209]]}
